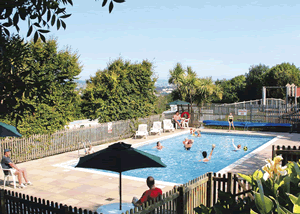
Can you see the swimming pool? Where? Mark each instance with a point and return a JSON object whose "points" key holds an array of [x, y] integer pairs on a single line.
{"points": [[183, 166]]}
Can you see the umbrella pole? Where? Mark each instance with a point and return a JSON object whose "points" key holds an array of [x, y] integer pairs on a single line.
{"points": [[120, 187]]}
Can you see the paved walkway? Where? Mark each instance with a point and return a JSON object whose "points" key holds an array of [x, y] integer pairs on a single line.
{"points": [[91, 190]]}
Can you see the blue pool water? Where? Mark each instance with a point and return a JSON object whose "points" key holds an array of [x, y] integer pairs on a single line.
{"points": [[183, 166]]}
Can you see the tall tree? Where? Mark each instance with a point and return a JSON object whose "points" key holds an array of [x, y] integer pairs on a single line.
{"points": [[280, 75], [45, 83], [177, 75], [190, 88], [208, 91], [255, 81], [233, 89], [123, 90]]}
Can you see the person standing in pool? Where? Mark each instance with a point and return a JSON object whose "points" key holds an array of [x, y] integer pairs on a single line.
{"points": [[204, 153], [185, 141], [158, 146], [188, 145], [230, 121]]}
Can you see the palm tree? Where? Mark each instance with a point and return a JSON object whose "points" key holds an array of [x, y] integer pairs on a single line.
{"points": [[207, 89], [177, 76]]}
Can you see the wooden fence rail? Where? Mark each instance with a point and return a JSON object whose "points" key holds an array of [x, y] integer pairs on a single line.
{"points": [[39, 146], [202, 190], [288, 153]]}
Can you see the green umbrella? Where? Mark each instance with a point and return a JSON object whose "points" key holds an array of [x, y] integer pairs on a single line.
{"points": [[120, 157], [178, 102], [8, 131]]}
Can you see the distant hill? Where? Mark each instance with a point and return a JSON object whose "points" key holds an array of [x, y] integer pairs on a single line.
{"points": [[162, 83], [159, 83]]}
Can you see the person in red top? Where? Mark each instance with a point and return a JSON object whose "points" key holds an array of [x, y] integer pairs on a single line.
{"points": [[148, 195]]}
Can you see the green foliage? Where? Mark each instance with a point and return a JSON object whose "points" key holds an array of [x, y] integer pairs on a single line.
{"points": [[39, 14], [233, 89], [161, 103], [276, 191], [227, 204], [255, 79], [190, 88], [40, 93], [280, 75], [123, 90]]}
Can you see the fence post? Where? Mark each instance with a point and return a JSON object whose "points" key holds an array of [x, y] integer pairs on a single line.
{"points": [[229, 182], [273, 152], [180, 205], [209, 190], [2, 202]]}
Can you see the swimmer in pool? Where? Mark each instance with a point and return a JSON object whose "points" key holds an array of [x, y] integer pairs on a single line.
{"points": [[198, 133], [236, 148], [185, 141], [204, 153], [158, 146], [189, 144]]}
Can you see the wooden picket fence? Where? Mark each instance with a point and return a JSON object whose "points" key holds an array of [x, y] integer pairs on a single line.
{"points": [[288, 153], [39, 146], [180, 200], [16, 203], [202, 190]]}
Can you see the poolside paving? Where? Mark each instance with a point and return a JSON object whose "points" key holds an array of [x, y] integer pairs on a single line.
{"points": [[91, 190]]}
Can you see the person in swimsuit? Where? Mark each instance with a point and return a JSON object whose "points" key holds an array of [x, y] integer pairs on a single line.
{"points": [[204, 153], [188, 145], [158, 146], [177, 119], [230, 121], [236, 148], [185, 141]]}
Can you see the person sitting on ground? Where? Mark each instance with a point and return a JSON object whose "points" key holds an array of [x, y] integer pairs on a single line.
{"points": [[7, 163], [236, 148], [148, 195], [89, 150], [177, 119], [158, 146], [189, 145], [204, 153]]}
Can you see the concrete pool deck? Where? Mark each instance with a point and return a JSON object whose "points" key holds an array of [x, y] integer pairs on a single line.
{"points": [[90, 190]]}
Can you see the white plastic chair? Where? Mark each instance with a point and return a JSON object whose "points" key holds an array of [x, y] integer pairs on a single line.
{"points": [[156, 128], [186, 123], [168, 125], [142, 130], [6, 177]]}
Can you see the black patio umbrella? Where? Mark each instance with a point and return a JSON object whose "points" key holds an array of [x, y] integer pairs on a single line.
{"points": [[8, 131], [120, 157]]}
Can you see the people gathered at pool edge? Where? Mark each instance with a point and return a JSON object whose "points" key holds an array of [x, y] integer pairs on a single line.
{"points": [[7, 163], [148, 195]]}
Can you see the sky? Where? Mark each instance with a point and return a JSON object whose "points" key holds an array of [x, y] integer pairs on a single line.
{"points": [[217, 38]]}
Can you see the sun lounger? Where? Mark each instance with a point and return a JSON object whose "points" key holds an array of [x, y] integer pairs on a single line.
{"points": [[142, 130], [156, 128], [168, 125]]}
